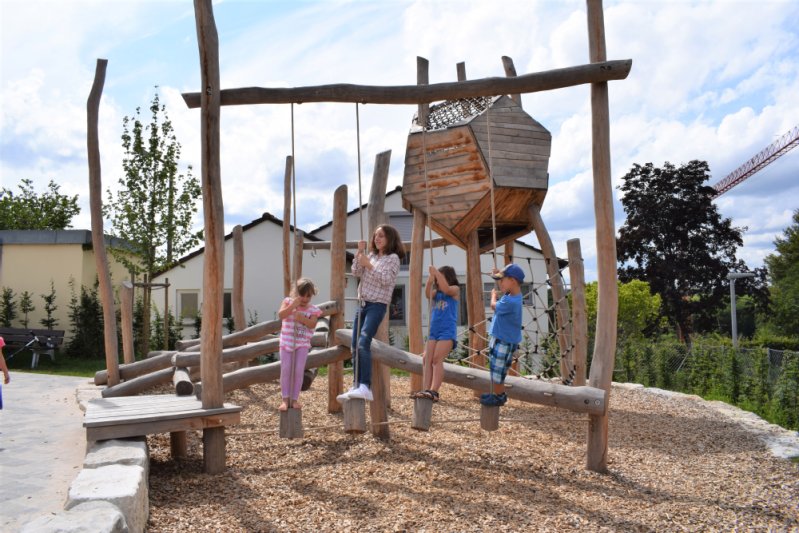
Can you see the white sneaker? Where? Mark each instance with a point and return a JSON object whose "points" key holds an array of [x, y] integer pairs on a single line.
{"points": [[344, 396], [363, 392]]}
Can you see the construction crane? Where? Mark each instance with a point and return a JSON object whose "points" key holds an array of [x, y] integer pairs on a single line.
{"points": [[768, 155]]}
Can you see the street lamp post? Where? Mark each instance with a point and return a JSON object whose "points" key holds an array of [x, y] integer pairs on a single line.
{"points": [[732, 276]]}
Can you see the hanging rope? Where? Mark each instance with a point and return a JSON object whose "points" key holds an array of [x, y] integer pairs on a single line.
{"points": [[359, 312], [491, 183], [297, 274]]}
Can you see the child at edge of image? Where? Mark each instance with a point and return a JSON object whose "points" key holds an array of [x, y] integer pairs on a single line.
{"points": [[443, 288], [4, 368], [506, 331], [299, 318], [378, 272]]}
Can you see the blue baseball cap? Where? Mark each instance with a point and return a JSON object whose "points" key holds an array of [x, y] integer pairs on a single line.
{"points": [[511, 270]]}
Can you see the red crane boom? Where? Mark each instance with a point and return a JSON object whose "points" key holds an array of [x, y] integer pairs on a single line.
{"points": [[778, 148]]}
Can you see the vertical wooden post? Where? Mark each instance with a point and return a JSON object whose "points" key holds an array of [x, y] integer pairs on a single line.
{"points": [[510, 72], [98, 236], [286, 224], [558, 292], [214, 218], [178, 444], [338, 266], [475, 306], [381, 385], [298, 251], [608, 305], [415, 335], [579, 313], [239, 320], [460, 68], [166, 313], [126, 310]]}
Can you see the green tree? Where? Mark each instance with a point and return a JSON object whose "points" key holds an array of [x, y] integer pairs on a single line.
{"points": [[26, 306], [8, 307], [86, 319], [49, 321], [28, 210], [639, 309], [783, 268], [156, 202], [675, 239]]}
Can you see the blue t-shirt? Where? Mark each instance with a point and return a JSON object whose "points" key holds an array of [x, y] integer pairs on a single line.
{"points": [[444, 318], [507, 323]]}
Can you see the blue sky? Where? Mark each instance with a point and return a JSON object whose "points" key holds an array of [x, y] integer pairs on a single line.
{"points": [[711, 80]]}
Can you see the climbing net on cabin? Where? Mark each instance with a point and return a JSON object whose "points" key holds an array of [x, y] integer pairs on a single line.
{"points": [[539, 355], [452, 112]]}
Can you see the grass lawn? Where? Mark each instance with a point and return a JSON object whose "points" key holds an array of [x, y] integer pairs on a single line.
{"points": [[64, 366]]}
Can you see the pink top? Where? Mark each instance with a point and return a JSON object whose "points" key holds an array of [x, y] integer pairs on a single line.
{"points": [[2, 342], [288, 340]]}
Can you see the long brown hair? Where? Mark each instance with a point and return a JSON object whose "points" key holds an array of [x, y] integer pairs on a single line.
{"points": [[449, 275], [393, 241]]}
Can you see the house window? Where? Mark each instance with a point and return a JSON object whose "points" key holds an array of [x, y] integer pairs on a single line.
{"points": [[396, 311], [403, 222], [188, 304]]}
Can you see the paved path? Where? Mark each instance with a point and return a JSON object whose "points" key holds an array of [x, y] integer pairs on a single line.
{"points": [[42, 445]]}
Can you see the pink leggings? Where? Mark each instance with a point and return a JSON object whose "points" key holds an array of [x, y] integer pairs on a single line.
{"points": [[287, 387]]}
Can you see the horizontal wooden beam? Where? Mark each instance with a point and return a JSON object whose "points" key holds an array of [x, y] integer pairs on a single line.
{"points": [[578, 399], [424, 94], [239, 354]]}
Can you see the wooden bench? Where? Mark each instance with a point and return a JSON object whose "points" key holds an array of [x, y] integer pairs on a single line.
{"points": [[135, 416], [38, 341]]}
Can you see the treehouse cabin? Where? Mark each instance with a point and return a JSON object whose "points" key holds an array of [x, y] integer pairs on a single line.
{"points": [[449, 161]]}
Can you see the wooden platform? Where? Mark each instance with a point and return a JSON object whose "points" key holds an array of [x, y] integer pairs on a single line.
{"points": [[133, 416]]}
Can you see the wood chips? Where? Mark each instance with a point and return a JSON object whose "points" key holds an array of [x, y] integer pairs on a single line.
{"points": [[674, 464]]}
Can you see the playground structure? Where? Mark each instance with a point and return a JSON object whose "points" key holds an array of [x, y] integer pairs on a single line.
{"points": [[520, 189]]}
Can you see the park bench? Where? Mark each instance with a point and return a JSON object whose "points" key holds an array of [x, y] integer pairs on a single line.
{"points": [[38, 341]]}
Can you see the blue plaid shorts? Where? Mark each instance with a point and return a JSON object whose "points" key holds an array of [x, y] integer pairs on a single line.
{"points": [[500, 357]]}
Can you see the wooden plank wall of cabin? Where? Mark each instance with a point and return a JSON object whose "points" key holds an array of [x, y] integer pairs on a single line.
{"points": [[456, 177], [510, 207], [519, 148]]}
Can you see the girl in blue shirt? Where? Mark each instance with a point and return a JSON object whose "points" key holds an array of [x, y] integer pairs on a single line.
{"points": [[443, 288]]}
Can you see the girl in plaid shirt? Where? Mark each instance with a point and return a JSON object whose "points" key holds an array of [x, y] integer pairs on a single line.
{"points": [[378, 272]]}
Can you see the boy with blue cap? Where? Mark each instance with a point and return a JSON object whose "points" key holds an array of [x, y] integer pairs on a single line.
{"points": [[506, 331]]}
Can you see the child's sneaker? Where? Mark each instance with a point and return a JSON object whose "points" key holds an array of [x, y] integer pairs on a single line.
{"points": [[362, 392], [493, 400], [502, 398], [344, 396]]}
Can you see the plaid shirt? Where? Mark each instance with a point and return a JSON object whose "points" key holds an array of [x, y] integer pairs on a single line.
{"points": [[377, 285]]}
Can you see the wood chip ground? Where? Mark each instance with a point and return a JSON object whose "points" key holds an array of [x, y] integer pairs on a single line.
{"points": [[674, 465]]}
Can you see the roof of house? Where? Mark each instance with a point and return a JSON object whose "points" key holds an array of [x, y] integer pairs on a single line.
{"points": [[61, 236]]}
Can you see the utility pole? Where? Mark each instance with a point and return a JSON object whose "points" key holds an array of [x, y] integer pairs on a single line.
{"points": [[732, 276]]}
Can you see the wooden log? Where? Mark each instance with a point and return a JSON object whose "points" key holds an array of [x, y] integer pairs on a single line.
{"points": [[355, 415], [577, 399], [138, 368], [178, 444], [256, 332], [415, 335], [214, 219], [297, 270], [416, 94], [291, 424], [353, 245], [126, 312], [422, 413], [475, 306], [558, 292], [381, 384], [182, 382], [139, 384], [245, 377], [98, 236], [605, 339], [460, 68], [238, 354], [579, 313], [286, 228], [338, 268], [510, 72], [489, 418], [423, 78], [239, 318]]}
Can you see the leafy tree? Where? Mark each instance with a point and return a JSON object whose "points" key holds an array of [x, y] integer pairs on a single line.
{"points": [[675, 239], [783, 268], [86, 319], [639, 309], [50, 307], [26, 306], [8, 307], [156, 203], [28, 210]]}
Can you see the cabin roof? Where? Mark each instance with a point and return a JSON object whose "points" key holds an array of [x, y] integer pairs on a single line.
{"points": [[454, 112]]}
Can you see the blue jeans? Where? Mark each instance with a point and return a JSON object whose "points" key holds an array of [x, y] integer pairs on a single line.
{"points": [[367, 320]]}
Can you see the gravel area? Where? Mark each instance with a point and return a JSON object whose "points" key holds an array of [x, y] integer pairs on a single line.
{"points": [[675, 464]]}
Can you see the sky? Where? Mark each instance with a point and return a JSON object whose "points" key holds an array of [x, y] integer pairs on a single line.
{"points": [[711, 80]]}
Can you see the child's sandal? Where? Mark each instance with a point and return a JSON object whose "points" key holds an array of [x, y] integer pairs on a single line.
{"points": [[433, 395]]}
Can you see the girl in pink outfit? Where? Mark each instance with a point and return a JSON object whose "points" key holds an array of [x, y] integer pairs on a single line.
{"points": [[299, 318]]}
